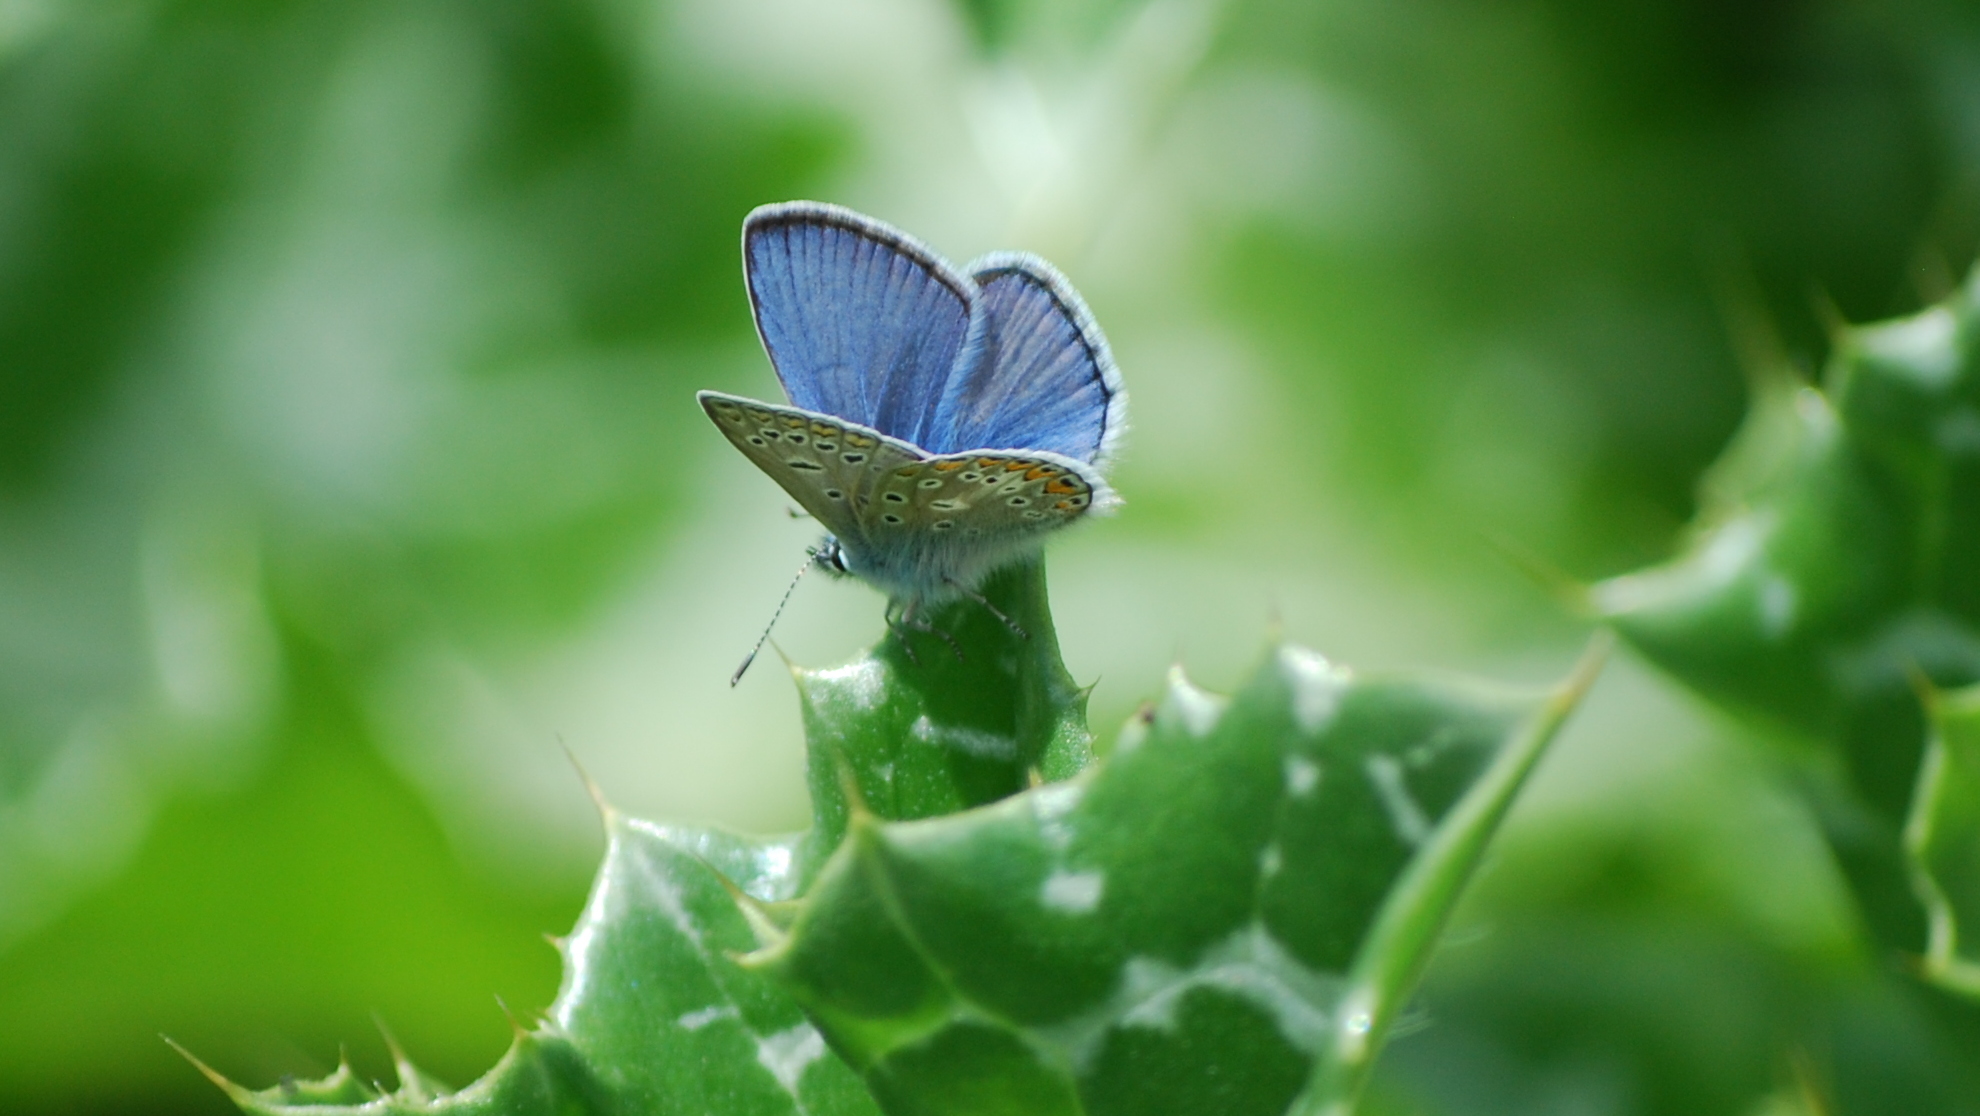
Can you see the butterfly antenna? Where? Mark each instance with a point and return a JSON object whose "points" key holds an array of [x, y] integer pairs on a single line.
{"points": [[809, 561]]}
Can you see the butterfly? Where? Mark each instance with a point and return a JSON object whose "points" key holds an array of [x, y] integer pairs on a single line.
{"points": [[942, 422]]}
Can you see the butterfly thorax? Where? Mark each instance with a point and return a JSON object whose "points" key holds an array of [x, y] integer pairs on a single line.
{"points": [[921, 569]]}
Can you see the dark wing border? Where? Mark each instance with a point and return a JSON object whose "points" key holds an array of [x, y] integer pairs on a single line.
{"points": [[1114, 423]]}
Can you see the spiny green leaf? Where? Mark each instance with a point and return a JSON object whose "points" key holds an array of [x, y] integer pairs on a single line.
{"points": [[654, 1017], [1184, 929], [1944, 840], [1838, 556], [921, 727]]}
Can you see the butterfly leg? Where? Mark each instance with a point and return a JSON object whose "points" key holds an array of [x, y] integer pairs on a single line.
{"points": [[910, 622], [898, 626], [994, 610]]}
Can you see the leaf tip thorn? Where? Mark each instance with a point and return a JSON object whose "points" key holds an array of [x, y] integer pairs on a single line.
{"points": [[1586, 669], [516, 1028], [209, 1072], [1557, 583], [755, 912], [605, 809]]}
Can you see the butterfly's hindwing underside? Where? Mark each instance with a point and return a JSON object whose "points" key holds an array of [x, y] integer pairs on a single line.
{"points": [[911, 520], [981, 493]]}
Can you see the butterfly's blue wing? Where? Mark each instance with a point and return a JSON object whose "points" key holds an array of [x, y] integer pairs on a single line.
{"points": [[860, 319], [1040, 378]]}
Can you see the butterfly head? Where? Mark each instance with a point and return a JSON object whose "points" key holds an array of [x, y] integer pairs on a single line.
{"points": [[829, 555]]}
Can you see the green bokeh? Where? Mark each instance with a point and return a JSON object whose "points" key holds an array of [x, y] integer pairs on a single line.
{"points": [[336, 338]]}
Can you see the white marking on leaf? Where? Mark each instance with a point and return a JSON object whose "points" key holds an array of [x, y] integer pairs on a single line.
{"points": [[1816, 413], [1302, 775], [1405, 816], [1270, 861], [774, 861], [1777, 601], [696, 1020], [1726, 553], [1198, 710], [1052, 806], [787, 1053], [863, 683], [970, 741], [1922, 345], [1317, 686], [1249, 965], [1073, 892]]}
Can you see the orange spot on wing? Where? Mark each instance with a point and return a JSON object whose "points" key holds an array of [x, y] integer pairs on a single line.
{"points": [[1016, 465], [1064, 486], [988, 463], [950, 466], [1037, 471]]}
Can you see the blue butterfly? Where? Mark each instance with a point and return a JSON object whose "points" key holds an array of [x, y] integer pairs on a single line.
{"points": [[942, 422]]}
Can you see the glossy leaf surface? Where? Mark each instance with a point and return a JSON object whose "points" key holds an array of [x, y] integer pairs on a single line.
{"points": [[1836, 561], [1944, 840], [1221, 917], [921, 726], [654, 1015], [1225, 916]]}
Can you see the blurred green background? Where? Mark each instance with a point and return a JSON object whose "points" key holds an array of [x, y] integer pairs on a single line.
{"points": [[348, 467]]}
